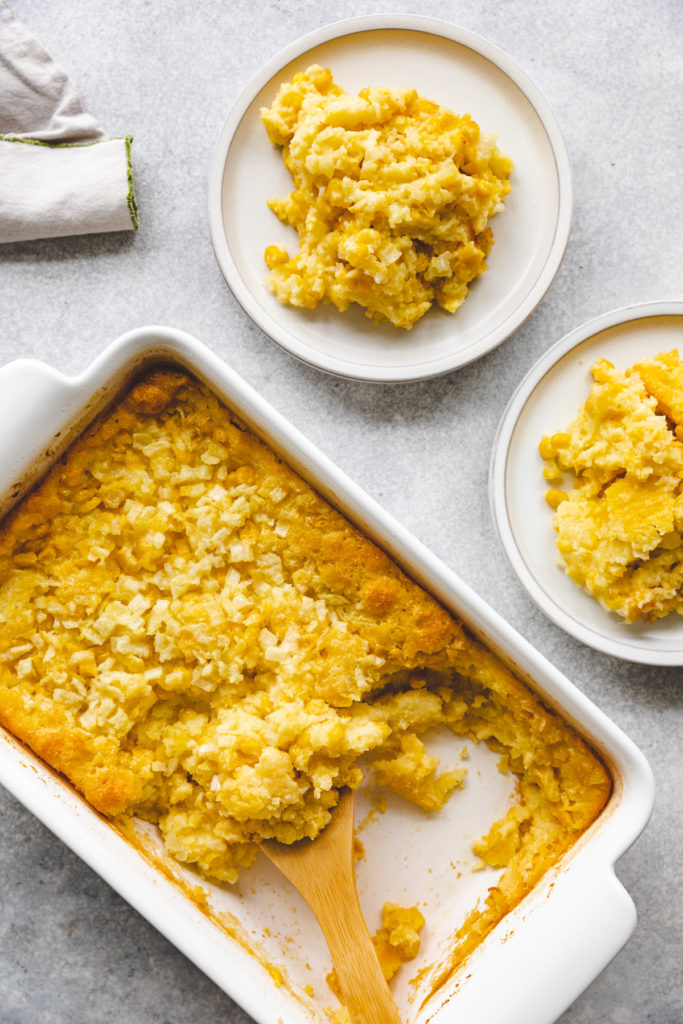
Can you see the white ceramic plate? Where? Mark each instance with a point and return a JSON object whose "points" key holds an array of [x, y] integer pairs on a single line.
{"points": [[461, 71], [548, 398]]}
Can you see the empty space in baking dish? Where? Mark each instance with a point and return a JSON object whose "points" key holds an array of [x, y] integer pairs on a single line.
{"points": [[411, 857]]}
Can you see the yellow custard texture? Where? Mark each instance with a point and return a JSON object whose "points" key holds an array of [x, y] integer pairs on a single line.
{"points": [[191, 634], [619, 530], [392, 198]]}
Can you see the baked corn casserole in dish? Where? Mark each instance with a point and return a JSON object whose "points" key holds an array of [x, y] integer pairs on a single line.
{"points": [[195, 638]]}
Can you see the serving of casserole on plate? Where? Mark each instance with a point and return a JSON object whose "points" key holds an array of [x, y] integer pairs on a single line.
{"points": [[399, 180], [208, 630], [546, 400]]}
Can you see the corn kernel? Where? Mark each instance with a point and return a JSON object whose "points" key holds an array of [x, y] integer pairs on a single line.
{"points": [[274, 256], [555, 497]]}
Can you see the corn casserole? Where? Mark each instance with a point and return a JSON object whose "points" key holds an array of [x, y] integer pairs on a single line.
{"points": [[392, 198], [191, 634], [620, 528]]}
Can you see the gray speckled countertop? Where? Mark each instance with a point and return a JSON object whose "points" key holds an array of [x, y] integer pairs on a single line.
{"points": [[71, 950]]}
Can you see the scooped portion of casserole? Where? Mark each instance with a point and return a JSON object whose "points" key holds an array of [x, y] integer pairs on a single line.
{"points": [[392, 199], [191, 634], [620, 527]]}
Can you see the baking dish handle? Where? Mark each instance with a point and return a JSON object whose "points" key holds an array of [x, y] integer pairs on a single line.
{"points": [[37, 403], [597, 918], [585, 918]]}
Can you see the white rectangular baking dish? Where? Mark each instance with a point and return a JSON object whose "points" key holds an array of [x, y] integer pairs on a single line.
{"points": [[538, 959]]}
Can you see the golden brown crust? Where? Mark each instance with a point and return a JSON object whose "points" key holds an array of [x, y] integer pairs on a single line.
{"points": [[90, 763], [152, 395], [402, 619]]}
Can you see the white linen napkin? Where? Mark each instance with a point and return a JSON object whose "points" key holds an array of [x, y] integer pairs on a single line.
{"points": [[59, 174]]}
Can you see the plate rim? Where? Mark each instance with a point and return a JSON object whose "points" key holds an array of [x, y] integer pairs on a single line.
{"points": [[637, 653], [284, 338]]}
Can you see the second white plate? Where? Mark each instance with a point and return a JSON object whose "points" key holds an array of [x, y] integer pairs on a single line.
{"points": [[546, 401], [461, 71]]}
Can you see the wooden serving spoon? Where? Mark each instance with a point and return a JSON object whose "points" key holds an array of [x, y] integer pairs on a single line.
{"points": [[322, 870]]}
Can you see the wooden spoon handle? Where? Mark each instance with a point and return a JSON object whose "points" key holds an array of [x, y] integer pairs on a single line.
{"points": [[322, 870], [363, 987]]}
